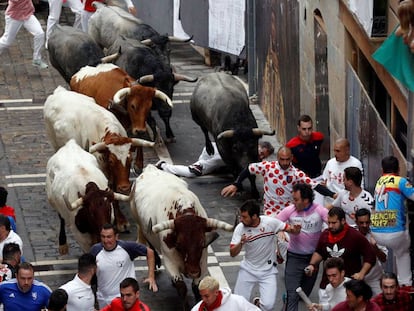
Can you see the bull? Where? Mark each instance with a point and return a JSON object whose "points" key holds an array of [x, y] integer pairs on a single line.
{"points": [[220, 106], [71, 49], [70, 115], [171, 219], [78, 190], [132, 103], [145, 65]]}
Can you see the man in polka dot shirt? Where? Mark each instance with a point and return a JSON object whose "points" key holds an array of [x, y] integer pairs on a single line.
{"points": [[279, 178]]}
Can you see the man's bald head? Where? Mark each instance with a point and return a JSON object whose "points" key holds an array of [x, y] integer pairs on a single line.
{"points": [[284, 157], [342, 150]]}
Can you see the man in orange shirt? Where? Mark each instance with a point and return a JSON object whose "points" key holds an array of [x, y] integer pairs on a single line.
{"points": [[129, 300]]}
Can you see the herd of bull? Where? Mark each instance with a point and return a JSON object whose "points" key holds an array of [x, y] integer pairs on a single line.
{"points": [[94, 129]]}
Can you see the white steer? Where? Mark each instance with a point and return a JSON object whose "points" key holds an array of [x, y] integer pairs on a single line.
{"points": [[171, 218], [78, 190]]}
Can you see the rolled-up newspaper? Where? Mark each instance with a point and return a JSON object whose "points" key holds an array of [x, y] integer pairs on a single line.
{"points": [[304, 297]]}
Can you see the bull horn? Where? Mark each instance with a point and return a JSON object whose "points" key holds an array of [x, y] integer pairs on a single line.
{"points": [[119, 96], [259, 132], [176, 39], [165, 225], [146, 79], [142, 142], [86, 145], [75, 204], [225, 134], [121, 197], [97, 147], [218, 224], [146, 42], [110, 58], [149, 227], [180, 77], [164, 97]]}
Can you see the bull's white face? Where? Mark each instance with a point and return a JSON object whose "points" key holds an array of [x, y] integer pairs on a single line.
{"points": [[120, 151]]}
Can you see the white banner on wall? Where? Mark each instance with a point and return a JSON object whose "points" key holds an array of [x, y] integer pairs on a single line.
{"points": [[178, 28], [364, 10], [226, 25]]}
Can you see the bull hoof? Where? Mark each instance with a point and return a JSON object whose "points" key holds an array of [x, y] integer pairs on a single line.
{"points": [[63, 249]]}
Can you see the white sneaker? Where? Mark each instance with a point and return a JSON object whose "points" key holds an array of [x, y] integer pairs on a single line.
{"points": [[40, 64]]}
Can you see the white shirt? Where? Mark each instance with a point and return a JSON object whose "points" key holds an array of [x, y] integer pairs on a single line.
{"points": [[114, 266], [335, 295], [13, 237], [334, 173], [350, 206], [231, 302], [81, 297], [260, 247]]}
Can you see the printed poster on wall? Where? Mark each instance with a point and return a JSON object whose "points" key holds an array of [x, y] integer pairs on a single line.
{"points": [[226, 25]]}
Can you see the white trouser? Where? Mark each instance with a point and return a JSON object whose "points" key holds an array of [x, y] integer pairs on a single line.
{"points": [[399, 242], [267, 281], [86, 15], [32, 25], [179, 170], [55, 8]]}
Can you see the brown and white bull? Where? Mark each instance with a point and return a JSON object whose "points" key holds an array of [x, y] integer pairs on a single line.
{"points": [[110, 85], [70, 115], [171, 218], [78, 190], [114, 89]]}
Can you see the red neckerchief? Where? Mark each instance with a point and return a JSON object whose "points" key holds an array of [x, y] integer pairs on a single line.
{"points": [[334, 238], [215, 305]]}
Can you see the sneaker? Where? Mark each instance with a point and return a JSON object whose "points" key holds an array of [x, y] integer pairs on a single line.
{"points": [[256, 301], [159, 164], [40, 64], [196, 169]]}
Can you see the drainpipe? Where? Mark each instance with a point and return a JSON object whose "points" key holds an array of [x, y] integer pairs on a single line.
{"points": [[251, 46]]}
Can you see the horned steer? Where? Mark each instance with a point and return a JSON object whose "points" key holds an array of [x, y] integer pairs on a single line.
{"points": [[170, 217], [78, 190], [220, 106], [107, 83]]}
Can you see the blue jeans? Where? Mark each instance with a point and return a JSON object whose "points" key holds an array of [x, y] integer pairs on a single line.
{"points": [[295, 277]]}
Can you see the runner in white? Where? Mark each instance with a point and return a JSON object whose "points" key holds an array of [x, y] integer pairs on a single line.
{"points": [[258, 236], [353, 197]]}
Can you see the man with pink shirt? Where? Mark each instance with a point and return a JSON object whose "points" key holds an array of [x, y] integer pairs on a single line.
{"points": [[310, 216], [21, 13]]}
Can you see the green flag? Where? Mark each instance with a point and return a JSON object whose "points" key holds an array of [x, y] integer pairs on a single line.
{"points": [[397, 58]]}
